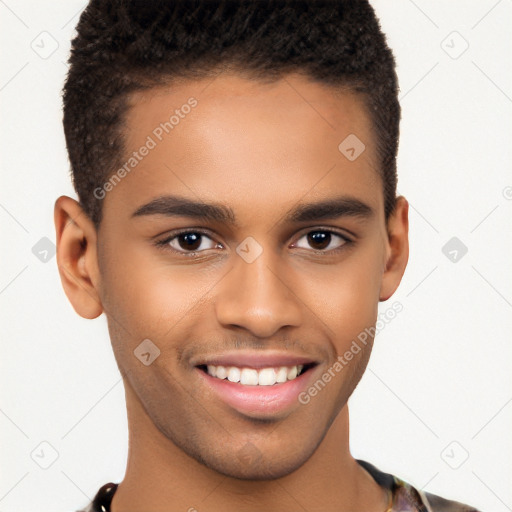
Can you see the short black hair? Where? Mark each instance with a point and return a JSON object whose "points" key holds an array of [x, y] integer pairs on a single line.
{"points": [[124, 46]]}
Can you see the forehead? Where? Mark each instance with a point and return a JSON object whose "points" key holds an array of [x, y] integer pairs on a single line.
{"points": [[248, 143]]}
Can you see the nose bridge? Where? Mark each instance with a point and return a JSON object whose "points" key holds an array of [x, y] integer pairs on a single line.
{"points": [[255, 295]]}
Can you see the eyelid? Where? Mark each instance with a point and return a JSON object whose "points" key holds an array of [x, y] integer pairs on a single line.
{"points": [[324, 229], [328, 229], [164, 243]]}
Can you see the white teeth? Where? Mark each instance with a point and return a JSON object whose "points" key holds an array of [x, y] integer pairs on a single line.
{"points": [[234, 374], [253, 377], [292, 373], [282, 374], [249, 377], [267, 377], [221, 372]]}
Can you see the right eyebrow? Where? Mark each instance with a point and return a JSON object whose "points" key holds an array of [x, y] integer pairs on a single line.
{"points": [[177, 206]]}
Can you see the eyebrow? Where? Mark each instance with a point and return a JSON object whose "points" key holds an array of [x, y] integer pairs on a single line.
{"points": [[176, 206]]}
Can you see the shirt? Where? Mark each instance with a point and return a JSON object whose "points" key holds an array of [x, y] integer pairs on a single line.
{"points": [[405, 497]]}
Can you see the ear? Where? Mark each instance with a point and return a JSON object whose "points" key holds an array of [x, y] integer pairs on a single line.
{"points": [[397, 248], [77, 257]]}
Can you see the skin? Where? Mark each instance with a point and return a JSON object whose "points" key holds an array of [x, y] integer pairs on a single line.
{"points": [[260, 149]]}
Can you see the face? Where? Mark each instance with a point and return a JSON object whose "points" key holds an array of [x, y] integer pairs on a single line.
{"points": [[244, 237]]}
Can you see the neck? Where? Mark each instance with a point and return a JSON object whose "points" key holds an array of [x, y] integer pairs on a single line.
{"points": [[161, 477]]}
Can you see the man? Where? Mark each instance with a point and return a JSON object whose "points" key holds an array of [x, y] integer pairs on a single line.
{"points": [[237, 223]]}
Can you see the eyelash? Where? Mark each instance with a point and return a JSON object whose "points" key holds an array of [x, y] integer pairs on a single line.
{"points": [[164, 244]]}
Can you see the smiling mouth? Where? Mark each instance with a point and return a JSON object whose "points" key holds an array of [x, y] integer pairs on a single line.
{"points": [[266, 376]]}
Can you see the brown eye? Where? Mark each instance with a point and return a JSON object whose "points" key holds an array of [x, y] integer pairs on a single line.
{"points": [[319, 239], [323, 240], [189, 242]]}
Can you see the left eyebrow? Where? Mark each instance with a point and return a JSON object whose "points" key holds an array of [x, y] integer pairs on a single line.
{"points": [[342, 206], [176, 206]]}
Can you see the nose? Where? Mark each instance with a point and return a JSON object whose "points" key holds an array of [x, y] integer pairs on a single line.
{"points": [[257, 296]]}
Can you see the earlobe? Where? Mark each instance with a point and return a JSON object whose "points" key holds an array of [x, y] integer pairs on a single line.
{"points": [[397, 249], [77, 257]]}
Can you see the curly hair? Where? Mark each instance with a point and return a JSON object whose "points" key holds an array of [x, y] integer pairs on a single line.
{"points": [[122, 46]]}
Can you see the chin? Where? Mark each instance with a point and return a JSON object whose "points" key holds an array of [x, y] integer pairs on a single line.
{"points": [[259, 470]]}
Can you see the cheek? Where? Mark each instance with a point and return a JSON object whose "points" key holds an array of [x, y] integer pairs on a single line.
{"points": [[345, 296], [148, 296]]}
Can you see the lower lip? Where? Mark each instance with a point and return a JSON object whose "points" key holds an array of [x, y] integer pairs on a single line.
{"points": [[251, 400]]}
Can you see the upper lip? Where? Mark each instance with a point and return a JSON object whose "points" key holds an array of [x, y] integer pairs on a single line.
{"points": [[254, 359]]}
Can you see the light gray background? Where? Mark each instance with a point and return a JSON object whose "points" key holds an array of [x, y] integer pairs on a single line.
{"points": [[435, 404]]}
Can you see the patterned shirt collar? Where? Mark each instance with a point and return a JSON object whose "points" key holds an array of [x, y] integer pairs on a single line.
{"points": [[406, 498]]}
